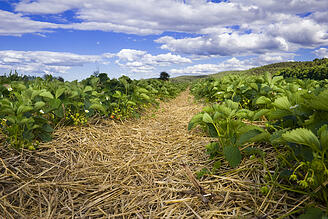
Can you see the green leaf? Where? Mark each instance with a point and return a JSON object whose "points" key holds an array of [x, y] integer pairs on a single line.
{"points": [[247, 136], [53, 104], [268, 77], [59, 112], [143, 90], [312, 213], [47, 128], [213, 149], [18, 86], [262, 137], [323, 134], [276, 137], [276, 79], [131, 103], [212, 131], [254, 86], [225, 110], [262, 100], [74, 93], [26, 120], [45, 136], [302, 136], [23, 109], [282, 103], [117, 94], [260, 113], [278, 114], [232, 155], [38, 105], [35, 93], [46, 94], [144, 96], [320, 102], [195, 120], [231, 104], [87, 89], [207, 118], [11, 119], [35, 126], [99, 107], [59, 92]]}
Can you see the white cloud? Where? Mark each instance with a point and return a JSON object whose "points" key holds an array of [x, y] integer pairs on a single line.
{"points": [[43, 61], [271, 30], [303, 32], [136, 61], [204, 69], [321, 53], [231, 28], [234, 64], [48, 6], [272, 57], [130, 54], [141, 61], [142, 16], [16, 24], [224, 45], [289, 6]]}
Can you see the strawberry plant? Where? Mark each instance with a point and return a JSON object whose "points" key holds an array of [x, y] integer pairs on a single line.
{"points": [[295, 114], [29, 110]]}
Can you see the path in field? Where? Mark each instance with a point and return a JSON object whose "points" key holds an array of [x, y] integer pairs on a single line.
{"points": [[134, 169], [130, 169]]}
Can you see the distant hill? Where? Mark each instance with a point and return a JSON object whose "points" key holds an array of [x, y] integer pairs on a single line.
{"points": [[189, 78], [272, 68]]}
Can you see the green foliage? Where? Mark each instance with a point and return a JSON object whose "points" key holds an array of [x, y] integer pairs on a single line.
{"points": [[232, 155], [29, 110], [164, 76], [312, 213], [295, 115], [317, 71]]}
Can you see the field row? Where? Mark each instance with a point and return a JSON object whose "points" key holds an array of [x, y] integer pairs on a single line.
{"points": [[290, 115], [30, 110]]}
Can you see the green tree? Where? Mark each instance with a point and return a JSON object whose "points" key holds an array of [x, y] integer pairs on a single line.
{"points": [[164, 76]]}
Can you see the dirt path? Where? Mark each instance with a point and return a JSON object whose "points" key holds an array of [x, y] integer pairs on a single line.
{"points": [[130, 169]]}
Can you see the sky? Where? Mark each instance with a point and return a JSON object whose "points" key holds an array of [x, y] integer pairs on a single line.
{"points": [[141, 38]]}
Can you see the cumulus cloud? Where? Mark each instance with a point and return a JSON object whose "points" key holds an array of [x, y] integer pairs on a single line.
{"points": [[224, 44], [43, 61], [135, 61], [304, 32], [16, 24], [290, 6], [205, 69], [321, 53], [142, 16], [141, 61], [272, 57], [228, 28], [233, 64], [270, 30]]}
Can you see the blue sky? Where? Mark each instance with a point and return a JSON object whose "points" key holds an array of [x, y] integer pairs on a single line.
{"points": [[141, 38]]}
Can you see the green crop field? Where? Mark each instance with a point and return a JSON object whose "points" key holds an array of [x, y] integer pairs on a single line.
{"points": [[274, 117]]}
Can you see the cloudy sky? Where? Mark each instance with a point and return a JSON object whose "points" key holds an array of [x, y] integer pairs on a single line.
{"points": [[141, 38]]}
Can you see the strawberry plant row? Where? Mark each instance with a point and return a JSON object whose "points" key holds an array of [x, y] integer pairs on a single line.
{"points": [[30, 110], [293, 114]]}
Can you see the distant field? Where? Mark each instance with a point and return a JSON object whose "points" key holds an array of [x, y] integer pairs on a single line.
{"points": [[271, 68]]}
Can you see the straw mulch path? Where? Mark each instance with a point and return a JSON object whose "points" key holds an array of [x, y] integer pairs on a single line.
{"points": [[141, 168]]}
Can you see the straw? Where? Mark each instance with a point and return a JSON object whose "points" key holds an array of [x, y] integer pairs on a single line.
{"points": [[140, 168]]}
